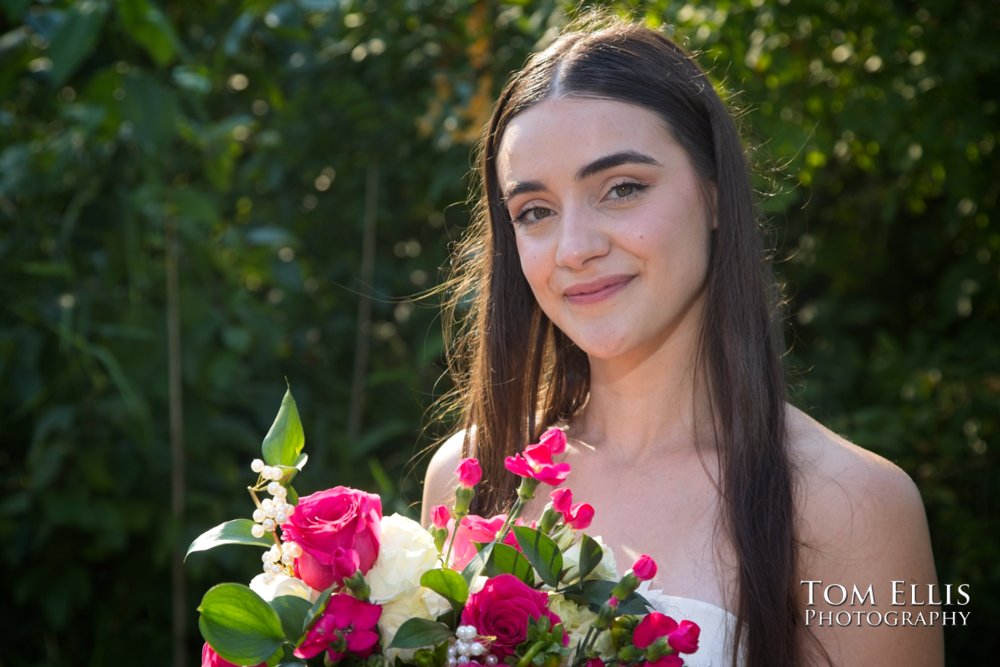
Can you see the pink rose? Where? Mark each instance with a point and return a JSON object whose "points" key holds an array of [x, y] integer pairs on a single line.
{"points": [[347, 625], [578, 516], [469, 473], [644, 568], [502, 610], [473, 530], [209, 658], [338, 531]]}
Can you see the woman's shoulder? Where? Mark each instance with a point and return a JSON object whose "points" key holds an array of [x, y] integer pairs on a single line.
{"points": [[837, 480], [861, 527]]}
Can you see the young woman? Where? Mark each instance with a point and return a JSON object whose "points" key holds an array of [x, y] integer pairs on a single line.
{"points": [[618, 291]]}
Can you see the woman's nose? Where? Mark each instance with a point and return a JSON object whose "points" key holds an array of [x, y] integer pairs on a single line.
{"points": [[581, 239]]}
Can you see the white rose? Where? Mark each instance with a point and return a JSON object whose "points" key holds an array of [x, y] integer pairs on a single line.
{"points": [[607, 569], [406, 551], [270, 586], [419, 602], [577, 620]]}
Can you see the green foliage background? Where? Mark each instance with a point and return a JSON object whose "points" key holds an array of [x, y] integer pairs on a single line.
{"points": [[239, 151]]}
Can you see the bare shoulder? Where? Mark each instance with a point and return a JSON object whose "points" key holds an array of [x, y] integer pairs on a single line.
{"points": [[862, 531], [439, 481], [844, 491]]}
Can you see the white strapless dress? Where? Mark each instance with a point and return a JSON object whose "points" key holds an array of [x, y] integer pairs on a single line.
{"points": [[717, 626]]}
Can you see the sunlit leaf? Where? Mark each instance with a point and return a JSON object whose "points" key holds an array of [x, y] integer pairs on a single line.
{"points": [[236, 531], [239, 625], [284, 441]]}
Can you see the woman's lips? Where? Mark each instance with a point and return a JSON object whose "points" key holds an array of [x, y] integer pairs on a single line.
{"points": [[596, 290]]}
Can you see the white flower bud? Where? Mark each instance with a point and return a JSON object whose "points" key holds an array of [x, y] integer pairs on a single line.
{"points": [[257, 530], [257, 465], [269, 525], [259, 516]]}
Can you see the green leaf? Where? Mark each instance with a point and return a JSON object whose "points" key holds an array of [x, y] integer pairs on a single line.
{"points": [[590, 555], [283, 443], [74, 39], [542, 552], [152, 109], [149, 28], [292, 610], [478, 562], [15, 8], [505, 559], [447, 583], [596, 592], [316, 610], [239, 625], [419, 632], [192, 79], [236, 531]]}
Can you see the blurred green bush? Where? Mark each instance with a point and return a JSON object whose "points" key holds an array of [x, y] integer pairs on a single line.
{"points": [[230, 194]]}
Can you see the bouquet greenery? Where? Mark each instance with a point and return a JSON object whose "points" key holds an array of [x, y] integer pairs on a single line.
{"points": [[343, 584]]}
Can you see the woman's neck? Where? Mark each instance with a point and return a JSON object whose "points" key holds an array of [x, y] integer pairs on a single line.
{"points": [[656, 405]]}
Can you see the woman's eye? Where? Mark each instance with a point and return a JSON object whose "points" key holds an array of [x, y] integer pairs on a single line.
{"points": [[532, 214], [625, 190]]}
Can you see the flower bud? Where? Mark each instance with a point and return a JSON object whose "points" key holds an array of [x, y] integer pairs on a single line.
{"points": [[644, 568], [358, 586], [463, 499], [627, 654], [469, 473], [440, 516]]}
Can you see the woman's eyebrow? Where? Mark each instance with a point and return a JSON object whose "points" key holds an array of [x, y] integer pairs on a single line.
{"points": [[615, 160], [521, 187], [597, 166]]}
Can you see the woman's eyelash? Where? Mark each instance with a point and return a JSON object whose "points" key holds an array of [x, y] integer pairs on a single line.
{"points": [[619, 192], [524, 217], [626, 190]]}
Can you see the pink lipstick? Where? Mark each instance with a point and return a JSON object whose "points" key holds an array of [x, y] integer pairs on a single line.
{"points": [[598, 290]]}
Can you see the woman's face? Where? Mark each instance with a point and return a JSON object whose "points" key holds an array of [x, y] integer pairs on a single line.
{"points": [[611, 224]]}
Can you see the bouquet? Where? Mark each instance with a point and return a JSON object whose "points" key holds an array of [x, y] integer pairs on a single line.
{"points": [[343, 584]]}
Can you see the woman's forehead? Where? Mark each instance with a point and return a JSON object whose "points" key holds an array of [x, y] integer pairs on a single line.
{"points": [[568, 132]]}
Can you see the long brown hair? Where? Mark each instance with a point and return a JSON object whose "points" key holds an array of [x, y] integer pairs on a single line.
{"points": [[516, 374]]}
